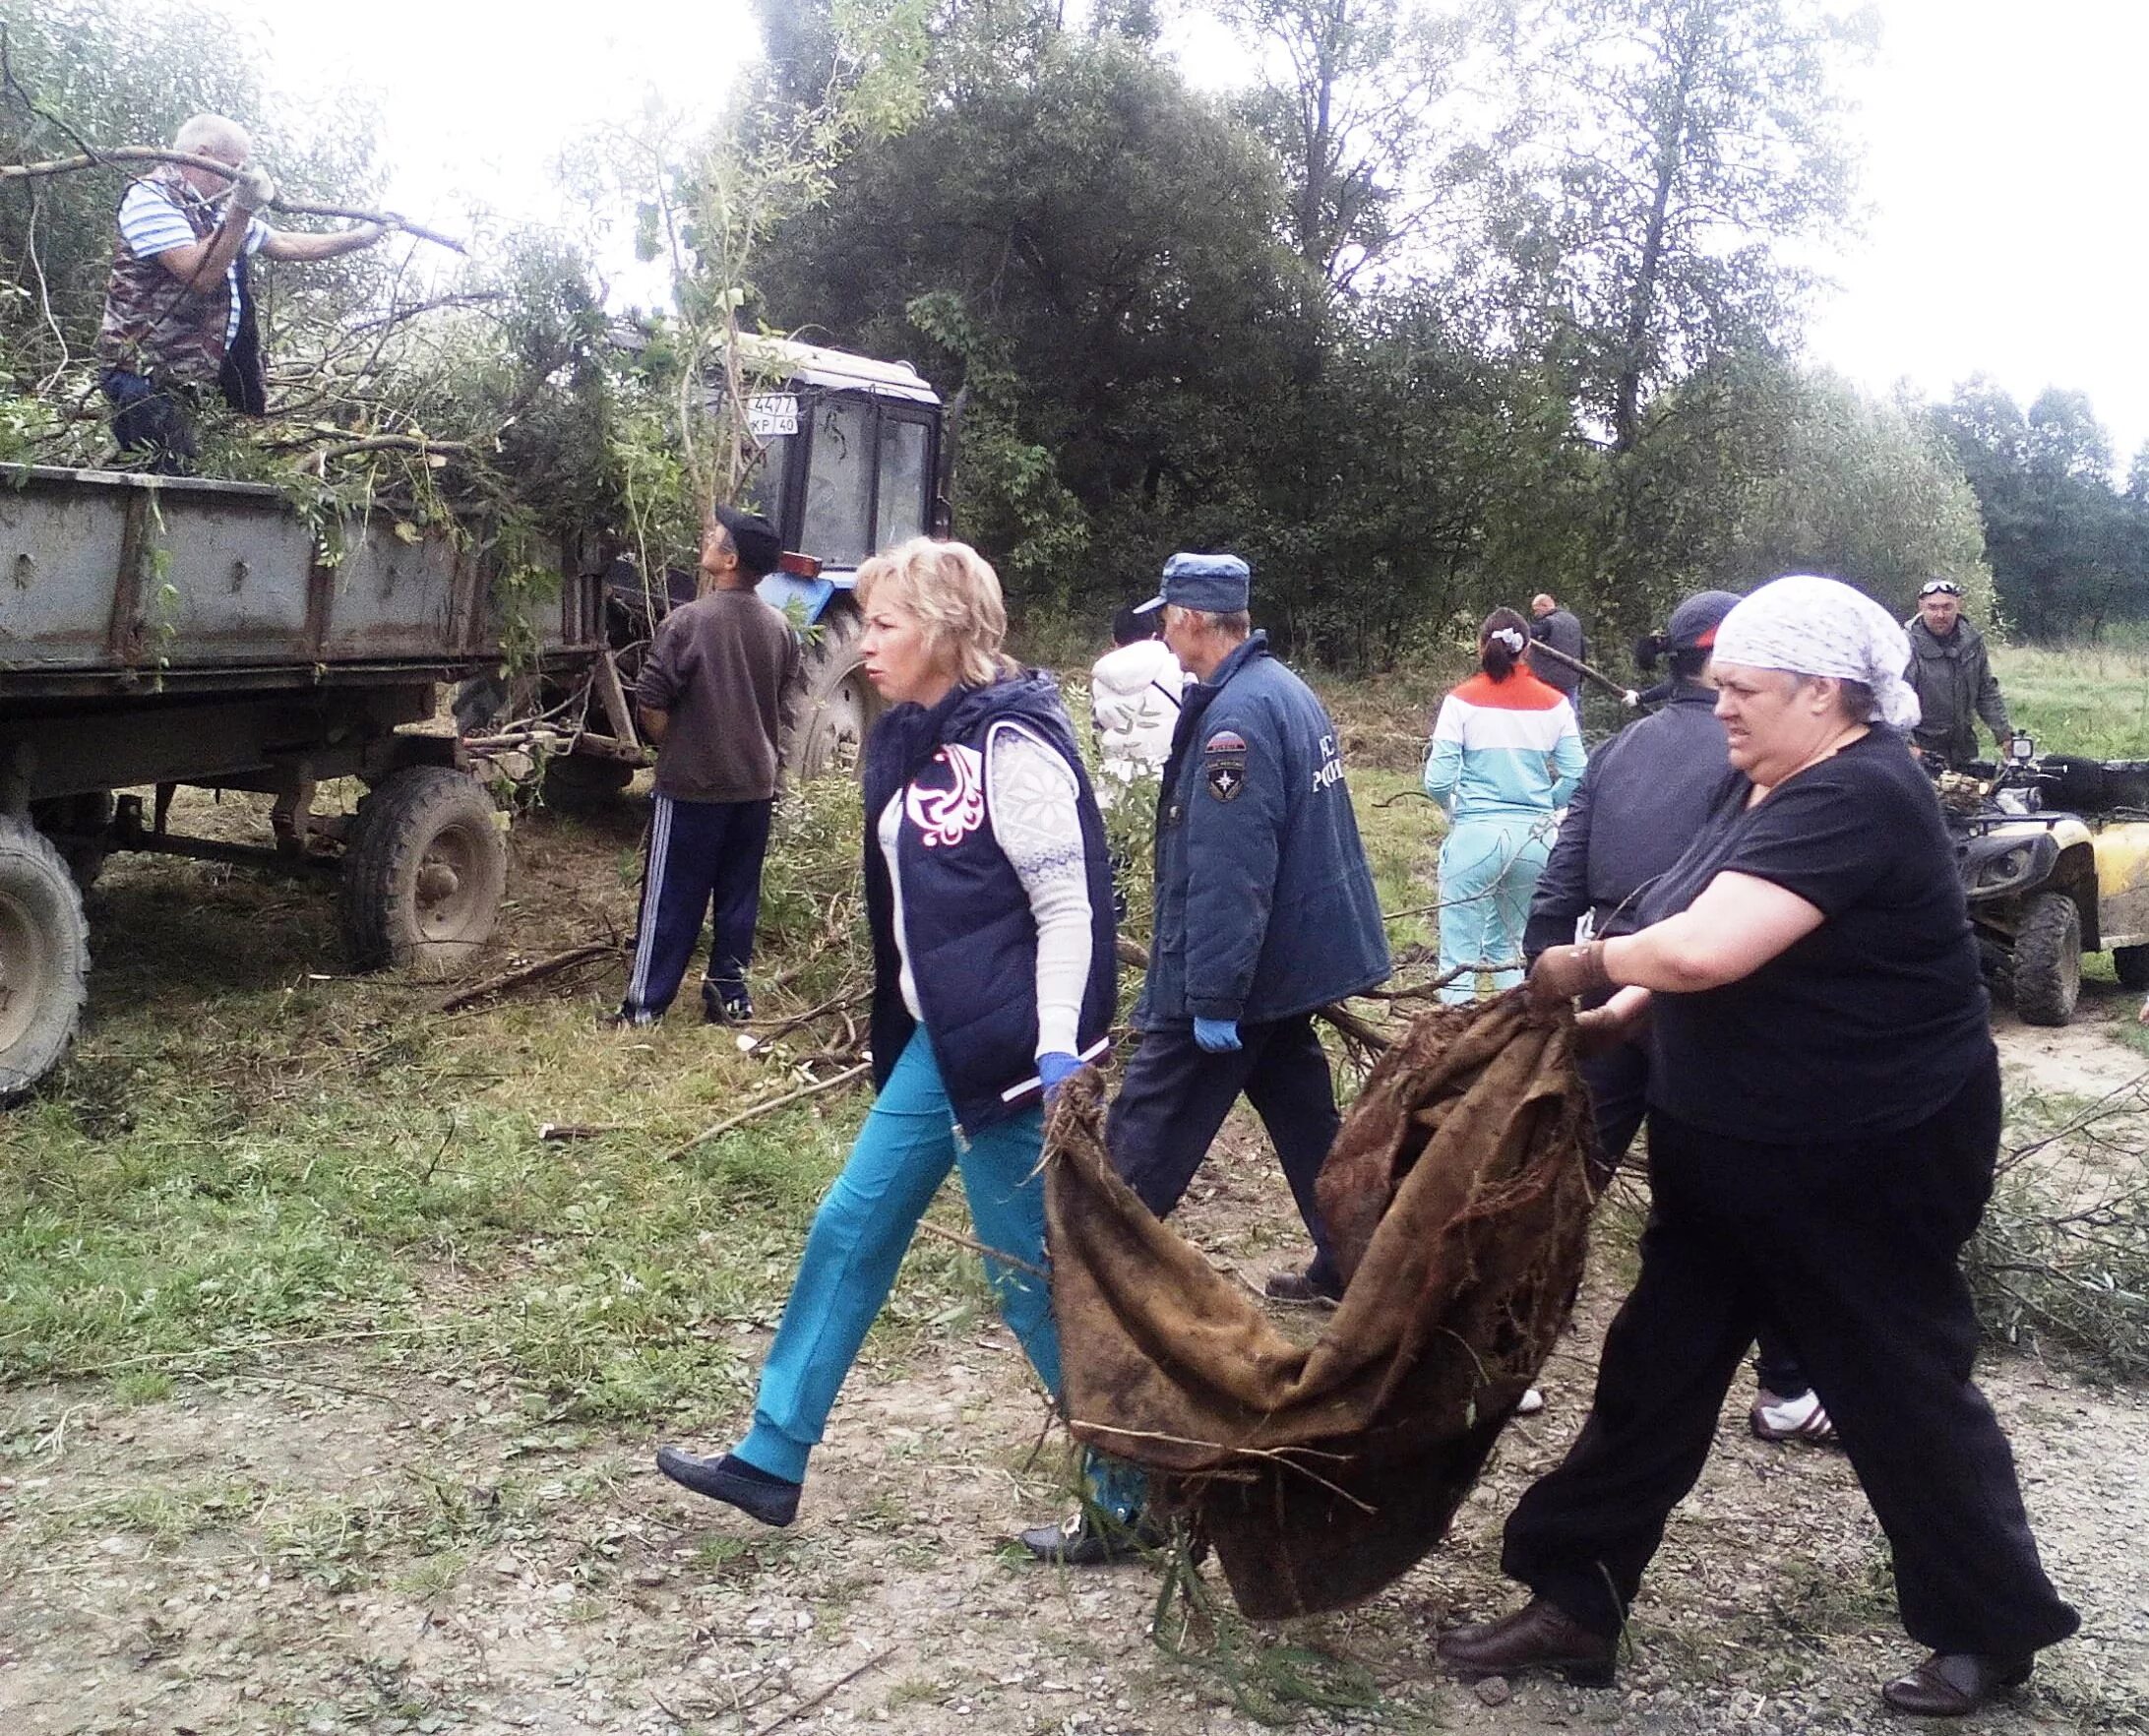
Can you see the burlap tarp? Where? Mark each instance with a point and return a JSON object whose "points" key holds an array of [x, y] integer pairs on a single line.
{"points": [[1459, 1200]]}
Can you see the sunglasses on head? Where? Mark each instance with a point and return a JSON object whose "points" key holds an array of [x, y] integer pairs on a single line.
{"points": [[1939, 588]]}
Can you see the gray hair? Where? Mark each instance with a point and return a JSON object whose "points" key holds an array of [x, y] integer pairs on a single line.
{"points": [[213, 134]]}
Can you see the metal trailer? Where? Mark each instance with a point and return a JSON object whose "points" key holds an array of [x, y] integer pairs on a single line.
{"points": [[852, 458], [156, 632]]}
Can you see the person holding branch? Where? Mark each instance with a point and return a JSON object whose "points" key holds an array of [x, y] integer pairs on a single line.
{"points": [[1825, 1116]]}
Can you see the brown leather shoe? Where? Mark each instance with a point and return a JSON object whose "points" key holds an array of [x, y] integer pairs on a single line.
{"points": [[1951, 1684], [1539, 1635]]}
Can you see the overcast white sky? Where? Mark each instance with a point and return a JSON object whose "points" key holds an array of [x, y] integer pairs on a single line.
{"points": [[2004, 160]]}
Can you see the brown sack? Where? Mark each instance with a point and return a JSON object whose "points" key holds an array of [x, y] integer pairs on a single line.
{"points": [[1458, 1197]]}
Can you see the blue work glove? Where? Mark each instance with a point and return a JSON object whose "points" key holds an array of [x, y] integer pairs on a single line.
{"points": [[1217, 1037], [1056, 1069]]}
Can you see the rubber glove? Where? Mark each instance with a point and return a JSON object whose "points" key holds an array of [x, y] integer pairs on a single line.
{"points": [[1563, 972], [1217, 1037], [1056, 1067]]}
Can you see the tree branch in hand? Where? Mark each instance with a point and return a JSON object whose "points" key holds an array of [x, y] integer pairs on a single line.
{"points": [[105, 157]]}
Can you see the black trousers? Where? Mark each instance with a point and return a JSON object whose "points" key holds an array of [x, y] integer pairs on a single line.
{"points": [[1176, 1096], [1852, 1248], [1619, 1093], [703, 859]]}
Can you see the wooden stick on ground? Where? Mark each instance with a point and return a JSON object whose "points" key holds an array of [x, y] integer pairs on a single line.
{"points": [[528, 974], [807, 1705], [760, 1109]]}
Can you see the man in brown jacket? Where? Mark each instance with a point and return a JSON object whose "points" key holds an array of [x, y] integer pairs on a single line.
{"points": [[712, 696]]}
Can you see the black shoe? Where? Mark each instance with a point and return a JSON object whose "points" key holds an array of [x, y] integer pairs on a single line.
{"points": [[731, 1479], [1298, 1287], [1086, 1538], [1954, 1684], [626, 1020]]}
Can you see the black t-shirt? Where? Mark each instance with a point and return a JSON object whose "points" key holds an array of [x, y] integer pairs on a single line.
{"points": [[1869, 1024]]}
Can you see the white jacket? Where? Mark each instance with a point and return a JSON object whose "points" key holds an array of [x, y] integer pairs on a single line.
{"points": [[1134, 698]]}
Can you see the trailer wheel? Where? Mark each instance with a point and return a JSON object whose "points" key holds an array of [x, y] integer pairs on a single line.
{"points": [[423, 872], [840, 705], [2130, 964], [44, 958], [2048, 959]]}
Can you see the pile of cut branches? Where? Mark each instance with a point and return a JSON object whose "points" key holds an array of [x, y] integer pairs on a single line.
{"points": [[2062, 1256]]}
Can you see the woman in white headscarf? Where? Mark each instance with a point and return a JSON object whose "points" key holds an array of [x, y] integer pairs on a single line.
{"points": [[1823, 1120]]}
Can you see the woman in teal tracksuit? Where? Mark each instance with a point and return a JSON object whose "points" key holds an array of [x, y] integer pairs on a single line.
{"points": [[1505, 758]]}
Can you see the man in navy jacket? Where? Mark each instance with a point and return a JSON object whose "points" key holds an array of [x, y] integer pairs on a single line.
{"points": [[1264, 911]]}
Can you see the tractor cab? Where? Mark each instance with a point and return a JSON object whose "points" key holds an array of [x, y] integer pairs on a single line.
{"points": [[850, 452]]}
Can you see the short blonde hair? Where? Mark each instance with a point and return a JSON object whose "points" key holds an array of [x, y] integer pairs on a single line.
{"points": [[955, 594]]}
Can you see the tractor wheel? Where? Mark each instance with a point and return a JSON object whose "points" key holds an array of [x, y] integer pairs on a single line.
{"points": [[423, 872], [44, 958], [2048, 959], [2130, 964], [583, 783], [839, 706]]}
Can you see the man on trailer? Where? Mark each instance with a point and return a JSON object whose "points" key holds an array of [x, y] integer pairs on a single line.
{"points": [[179, 318]]}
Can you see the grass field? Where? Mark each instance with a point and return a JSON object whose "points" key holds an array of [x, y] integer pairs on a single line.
{"points": [[2089, 700], [249, 1148]]}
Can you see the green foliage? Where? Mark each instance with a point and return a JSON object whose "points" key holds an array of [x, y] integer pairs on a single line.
{"points": [[2069, 551]]}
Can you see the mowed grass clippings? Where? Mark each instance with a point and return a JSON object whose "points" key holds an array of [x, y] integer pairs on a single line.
{"points": [[238, 1163]]}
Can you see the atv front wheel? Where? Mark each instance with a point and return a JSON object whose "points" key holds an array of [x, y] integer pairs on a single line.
{"points": [[2048, 959]]}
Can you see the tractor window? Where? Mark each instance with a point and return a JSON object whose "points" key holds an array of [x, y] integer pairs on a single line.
{"points": [[839, 485], [902, 511], [762, 490]]}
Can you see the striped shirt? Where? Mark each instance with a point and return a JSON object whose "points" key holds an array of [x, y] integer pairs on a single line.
{"points": [[151, 224], [1503, 748]]}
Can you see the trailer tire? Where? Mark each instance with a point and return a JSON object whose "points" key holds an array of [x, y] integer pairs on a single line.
{"points": [[44, 958], [839, 706], [423, 872], [2047, 968], [2130, 964]]}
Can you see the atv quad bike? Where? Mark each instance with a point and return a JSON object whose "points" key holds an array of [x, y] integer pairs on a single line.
{"points": [[2055, 862]]}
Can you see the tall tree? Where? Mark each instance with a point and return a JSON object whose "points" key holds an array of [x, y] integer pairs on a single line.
{"points": [[1349, 104], [1683, 144]]}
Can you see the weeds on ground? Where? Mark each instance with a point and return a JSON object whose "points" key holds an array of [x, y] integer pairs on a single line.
{"points": [[2062, 1256], [248, 1156], [1272, 1680]]}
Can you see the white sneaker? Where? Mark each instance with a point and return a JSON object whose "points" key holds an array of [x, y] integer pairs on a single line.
{"points": [[1803, 1418]]}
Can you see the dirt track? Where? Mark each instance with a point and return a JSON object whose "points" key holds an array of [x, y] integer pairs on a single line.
{"points": [[348, 1545]]}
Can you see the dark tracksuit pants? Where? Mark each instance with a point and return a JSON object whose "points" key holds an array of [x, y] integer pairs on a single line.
{"points": [[1852, 1248], [700, 854], [1176, 1096], [1619, 1092]]}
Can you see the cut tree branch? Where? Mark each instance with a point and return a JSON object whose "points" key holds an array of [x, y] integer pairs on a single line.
{"points": [[106, 156]]}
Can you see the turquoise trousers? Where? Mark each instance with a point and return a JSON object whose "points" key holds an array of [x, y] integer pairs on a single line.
{"points": [[1489, 868], [860, 1234]]}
